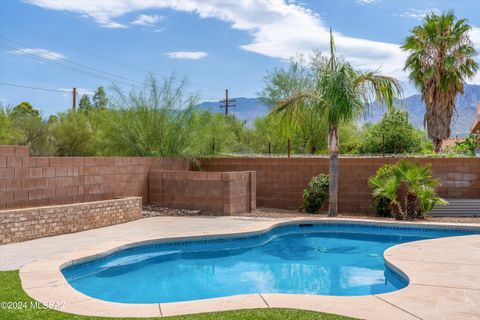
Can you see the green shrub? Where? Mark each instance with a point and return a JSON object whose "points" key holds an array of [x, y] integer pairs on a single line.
{"points": [[315, 196], [393, 134], [467, 147]]}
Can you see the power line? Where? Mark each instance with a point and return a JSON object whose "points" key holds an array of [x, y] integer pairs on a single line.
{"points": [[30, 87], [78, 70], [55, 90], [73, 63], [101, 56], [104, 57], [81, 65], [64, 66]]}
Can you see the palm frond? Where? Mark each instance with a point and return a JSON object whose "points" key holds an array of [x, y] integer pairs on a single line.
{"points": [[384, 186], [384, 89], [292, 109]]}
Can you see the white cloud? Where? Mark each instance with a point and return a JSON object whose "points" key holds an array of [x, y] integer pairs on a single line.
{"points": [[113, 25], [40, 53], [475, 37], [159, 30], [192, 55], [367, 1], [277, 28], [418, 14], [146, 20], [101, 10]]}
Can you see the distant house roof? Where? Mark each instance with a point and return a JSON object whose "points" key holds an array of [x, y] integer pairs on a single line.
{"points": [[450, 142]]}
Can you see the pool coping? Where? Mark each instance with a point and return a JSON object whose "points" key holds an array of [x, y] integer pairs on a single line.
{"points": [[44, 281]]}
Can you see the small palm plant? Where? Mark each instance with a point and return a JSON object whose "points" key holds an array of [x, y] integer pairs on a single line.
{"points": [[418, 181], [386, 186], [419, 196], [427, 199]]}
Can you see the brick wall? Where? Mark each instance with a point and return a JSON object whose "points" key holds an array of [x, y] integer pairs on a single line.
{"points": [[280, 181], [32, 223], [39, 181], [218, 192]]}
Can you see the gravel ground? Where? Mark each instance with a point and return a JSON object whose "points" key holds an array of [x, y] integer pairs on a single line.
{"points": [[156, 211]]}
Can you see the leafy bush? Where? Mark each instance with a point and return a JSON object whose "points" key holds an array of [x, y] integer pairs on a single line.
{"points": [[315, 196], [23, 125], [214, 133], [73, 135], [393, 134], [467, 147]]}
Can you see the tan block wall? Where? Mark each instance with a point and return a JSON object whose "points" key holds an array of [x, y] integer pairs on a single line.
{"points": [[280, 181], [217, 192], [39, 181], [32, 223]]}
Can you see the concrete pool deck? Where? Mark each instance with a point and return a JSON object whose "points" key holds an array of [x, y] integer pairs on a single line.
{"points": [[444, 273]]}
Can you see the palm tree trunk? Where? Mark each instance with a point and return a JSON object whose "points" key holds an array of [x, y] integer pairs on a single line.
{"points": [[412, 206], [396, 210], [402, 196], [437, 144], [333, 149]]}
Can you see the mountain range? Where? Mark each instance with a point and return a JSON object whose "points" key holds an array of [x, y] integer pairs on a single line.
{"points": [[248, 109]]}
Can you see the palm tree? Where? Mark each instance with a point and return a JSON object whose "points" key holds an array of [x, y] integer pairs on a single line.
{"points": [[441, 58], [341, 93]]}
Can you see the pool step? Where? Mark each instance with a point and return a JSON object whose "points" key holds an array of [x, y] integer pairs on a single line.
{"points": [[458, 208]]}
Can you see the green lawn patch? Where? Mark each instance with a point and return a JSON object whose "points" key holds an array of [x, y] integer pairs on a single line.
{"points": [[11, 290]]}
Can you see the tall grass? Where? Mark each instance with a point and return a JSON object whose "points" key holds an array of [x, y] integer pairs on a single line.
{"points": [[153, 121]]}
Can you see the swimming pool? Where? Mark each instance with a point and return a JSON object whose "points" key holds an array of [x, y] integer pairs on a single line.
{"points": [[318, 259]]}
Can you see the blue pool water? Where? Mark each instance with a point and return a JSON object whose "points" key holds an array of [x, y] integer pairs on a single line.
{"points": [[320, 259]]}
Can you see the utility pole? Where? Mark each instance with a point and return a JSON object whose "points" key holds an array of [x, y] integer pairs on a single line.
{"points": [[74, 96], [227, 103]]}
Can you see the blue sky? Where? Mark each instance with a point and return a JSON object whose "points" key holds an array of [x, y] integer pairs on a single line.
{"points": [[216, 44]]}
